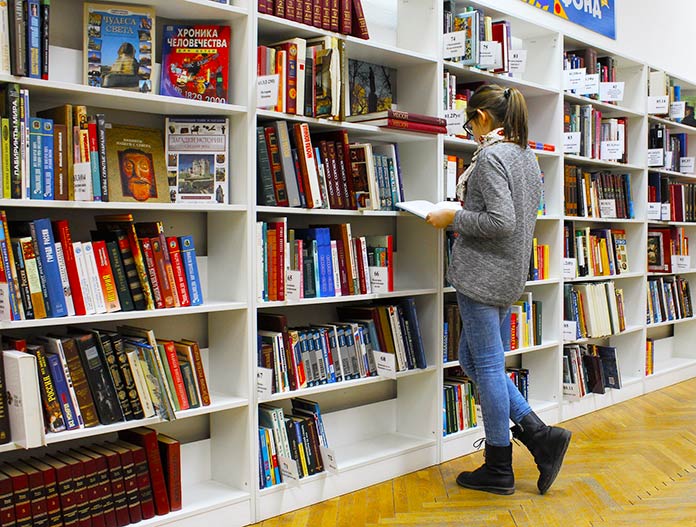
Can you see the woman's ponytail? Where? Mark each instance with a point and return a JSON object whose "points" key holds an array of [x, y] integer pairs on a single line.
{"points": [[506, 106]]}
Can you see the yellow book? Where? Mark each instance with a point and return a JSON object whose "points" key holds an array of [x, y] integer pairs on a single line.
{"points": [[6, 187], [547, 257]]}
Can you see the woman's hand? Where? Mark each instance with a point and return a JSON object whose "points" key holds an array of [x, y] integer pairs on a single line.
{"points": [[441, 218]]}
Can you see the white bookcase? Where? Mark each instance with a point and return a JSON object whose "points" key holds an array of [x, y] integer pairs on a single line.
{"points": [[379, 428]]}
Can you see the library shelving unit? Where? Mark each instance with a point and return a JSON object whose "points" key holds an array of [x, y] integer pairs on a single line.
{"points": [[379, 428]]}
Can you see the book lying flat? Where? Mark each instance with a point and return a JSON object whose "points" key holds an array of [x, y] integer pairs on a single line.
{"points": [[422, 208]]}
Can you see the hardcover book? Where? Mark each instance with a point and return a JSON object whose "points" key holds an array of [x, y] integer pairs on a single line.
{"points": [[135, 162], [118, 46], [195, 62], [197, 159], [372, 87]]}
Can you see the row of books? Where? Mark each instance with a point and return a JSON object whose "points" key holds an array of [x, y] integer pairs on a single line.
{"points": [[87, 378], [339, 16], [661, 85], [597, 309], [339, 351], [681, 197], [674, 146], [460, 406], [539, 261], [115, 483], [325, 170], [664, 243], [66, 154], [126, 266], [24, 49], [669, 298], [587, 59], [596, 194], [321, 261], [589, 368], [595, 131], [597, 252]]}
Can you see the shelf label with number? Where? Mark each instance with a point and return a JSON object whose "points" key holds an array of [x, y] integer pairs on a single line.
{"points": [[288, 469], [455, 122], [591, 85], [611, 150], [489, 53], [666, 212], [668, 159], [517, 62], [607, 208], [686, 165], [454, 44], [569, 268], [386, 364], [379, 279], [656, 157], [681, 263], [574, 80], [328, 455], [570, 330], [571, 142], [658, 105], [293, 285], [677, 110], [267, 90], [264, 382], [611, 91], [654, 211]]}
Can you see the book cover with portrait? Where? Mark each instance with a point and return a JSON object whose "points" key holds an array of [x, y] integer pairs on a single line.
{"points": [[195, 62], [118, 50], [135, 164]]}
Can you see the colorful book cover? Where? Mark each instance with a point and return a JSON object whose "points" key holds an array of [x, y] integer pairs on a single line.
{"points": [[195, 62], [118, 46], [372, 87], [197, 159], [188, 255]]}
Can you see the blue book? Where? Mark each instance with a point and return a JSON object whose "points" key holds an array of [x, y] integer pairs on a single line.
{"points": [[47, 152], [328, 359], [36, 179], [265, 459], [33, 39], [629, 197], [193, 281], [12, 291], [42, 232], [61, 386], [324, 262]]}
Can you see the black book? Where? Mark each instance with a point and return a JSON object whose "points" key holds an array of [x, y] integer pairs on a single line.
{"points": [[189, 384], [99, 380], [265, 193], [18, 38], [109, 357], [302, 424], [10, 107], [45, 33], [610, 366], [595, 377], [101, 148], [24, 290], [291, 431], [408, 348], [126, 374], [120, 277], [409, 309]]}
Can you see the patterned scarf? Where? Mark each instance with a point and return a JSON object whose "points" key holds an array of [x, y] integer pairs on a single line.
{"points": [[491, 138]]}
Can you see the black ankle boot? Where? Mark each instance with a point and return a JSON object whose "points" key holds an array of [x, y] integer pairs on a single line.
{"points": [[548, 445], [495, 475]]}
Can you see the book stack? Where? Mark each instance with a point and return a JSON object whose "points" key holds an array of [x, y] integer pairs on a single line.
{"points": [[597, 252], [401, 120], [24, 49], [460, 405], [680, 197], [664, 243], [597, 308], [597, 194], [595, 130], [339, 351], [127, 266], [669, 298], [589, 368], [674, 146], [117, 482], [92, 377], [539, 261], [297, 437], [322, 261], [588, 60], [339, 16]]}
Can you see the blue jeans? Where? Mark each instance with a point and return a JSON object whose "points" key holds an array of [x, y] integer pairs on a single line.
{"points": [[485, 329]]}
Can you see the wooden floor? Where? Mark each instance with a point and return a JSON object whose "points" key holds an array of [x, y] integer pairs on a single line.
{"points": [[629, 465]]}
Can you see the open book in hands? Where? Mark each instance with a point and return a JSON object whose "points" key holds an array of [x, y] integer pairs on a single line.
{"points": [[422, 208]]}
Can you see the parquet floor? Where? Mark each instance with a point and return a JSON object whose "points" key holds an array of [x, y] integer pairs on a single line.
{"points": [[632, 464]]}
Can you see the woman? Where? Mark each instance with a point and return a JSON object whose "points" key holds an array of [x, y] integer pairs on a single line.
{"points": [[489, 266]]}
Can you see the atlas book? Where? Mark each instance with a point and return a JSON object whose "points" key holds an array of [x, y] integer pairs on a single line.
{"points": [[118, 44], [197, 159], [195, 62]]}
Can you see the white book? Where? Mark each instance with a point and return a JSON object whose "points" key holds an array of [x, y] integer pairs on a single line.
{"points": [[24, 399], [336, 269], [64, 279], [4, 38], [93, 277], [308, 161], [85, 285], [275, 337], [140, 384], [55, 346], [366, 267], [398, 338], [422, 208]]}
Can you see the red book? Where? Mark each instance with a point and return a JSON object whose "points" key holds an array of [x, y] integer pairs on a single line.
{"points": [[91, 487], [48, 475], [14, 343], [61, 231], [272, 265], [346, 16], [262, 6], [166, 289], [20, 489], [410, 125], [103, 486], [279, 228], [7, 510], [175, 370], [130, 482], [106, 276], [325, 14], [291, 9], [291, 73], [358, 248], [147, 438], [317, 11], [37, 494], [359, 24], [279, 8], [279, 189], [307, 17], [401, 116], [66, 490], [334, 19], [179, 272], [117, 489], [170, 453], [152, 272], [513, 332], [142, 477], [200, 372]]}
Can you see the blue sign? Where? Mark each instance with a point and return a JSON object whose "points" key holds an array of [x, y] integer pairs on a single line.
{"points": [[596, 15]]}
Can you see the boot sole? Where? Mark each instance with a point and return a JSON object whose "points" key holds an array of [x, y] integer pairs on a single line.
{"points": [[503, 491], [557, 467]]}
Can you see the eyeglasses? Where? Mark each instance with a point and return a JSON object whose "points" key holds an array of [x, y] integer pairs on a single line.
{"points": [[467, 127]]}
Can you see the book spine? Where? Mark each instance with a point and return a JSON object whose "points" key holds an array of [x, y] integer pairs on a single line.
{"points": [[179, 272], [47, 148], [45, 32], [346, 20], [140, 384], [265, 186], [158, 255], [130, 483], [112, 364], [84, 284], [17, 38], [171, 461], [99, 379], [80, 387], [36, 179], [51, 404], [23, 284], [142, 477], [120, 279], [359, 24], [47, 255], [200, 373], [279, 189], [62, 393], [93, 277], [33, 32], [177, 378], [148, 255], [60, 162], [93, 153], [132, 273], [169, 269], [127, 377], [101, 155], [188, 255], [106, 277], [62, 270]]}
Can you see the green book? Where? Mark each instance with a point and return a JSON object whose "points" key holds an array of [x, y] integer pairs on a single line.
{"points": [[168, 375]]}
